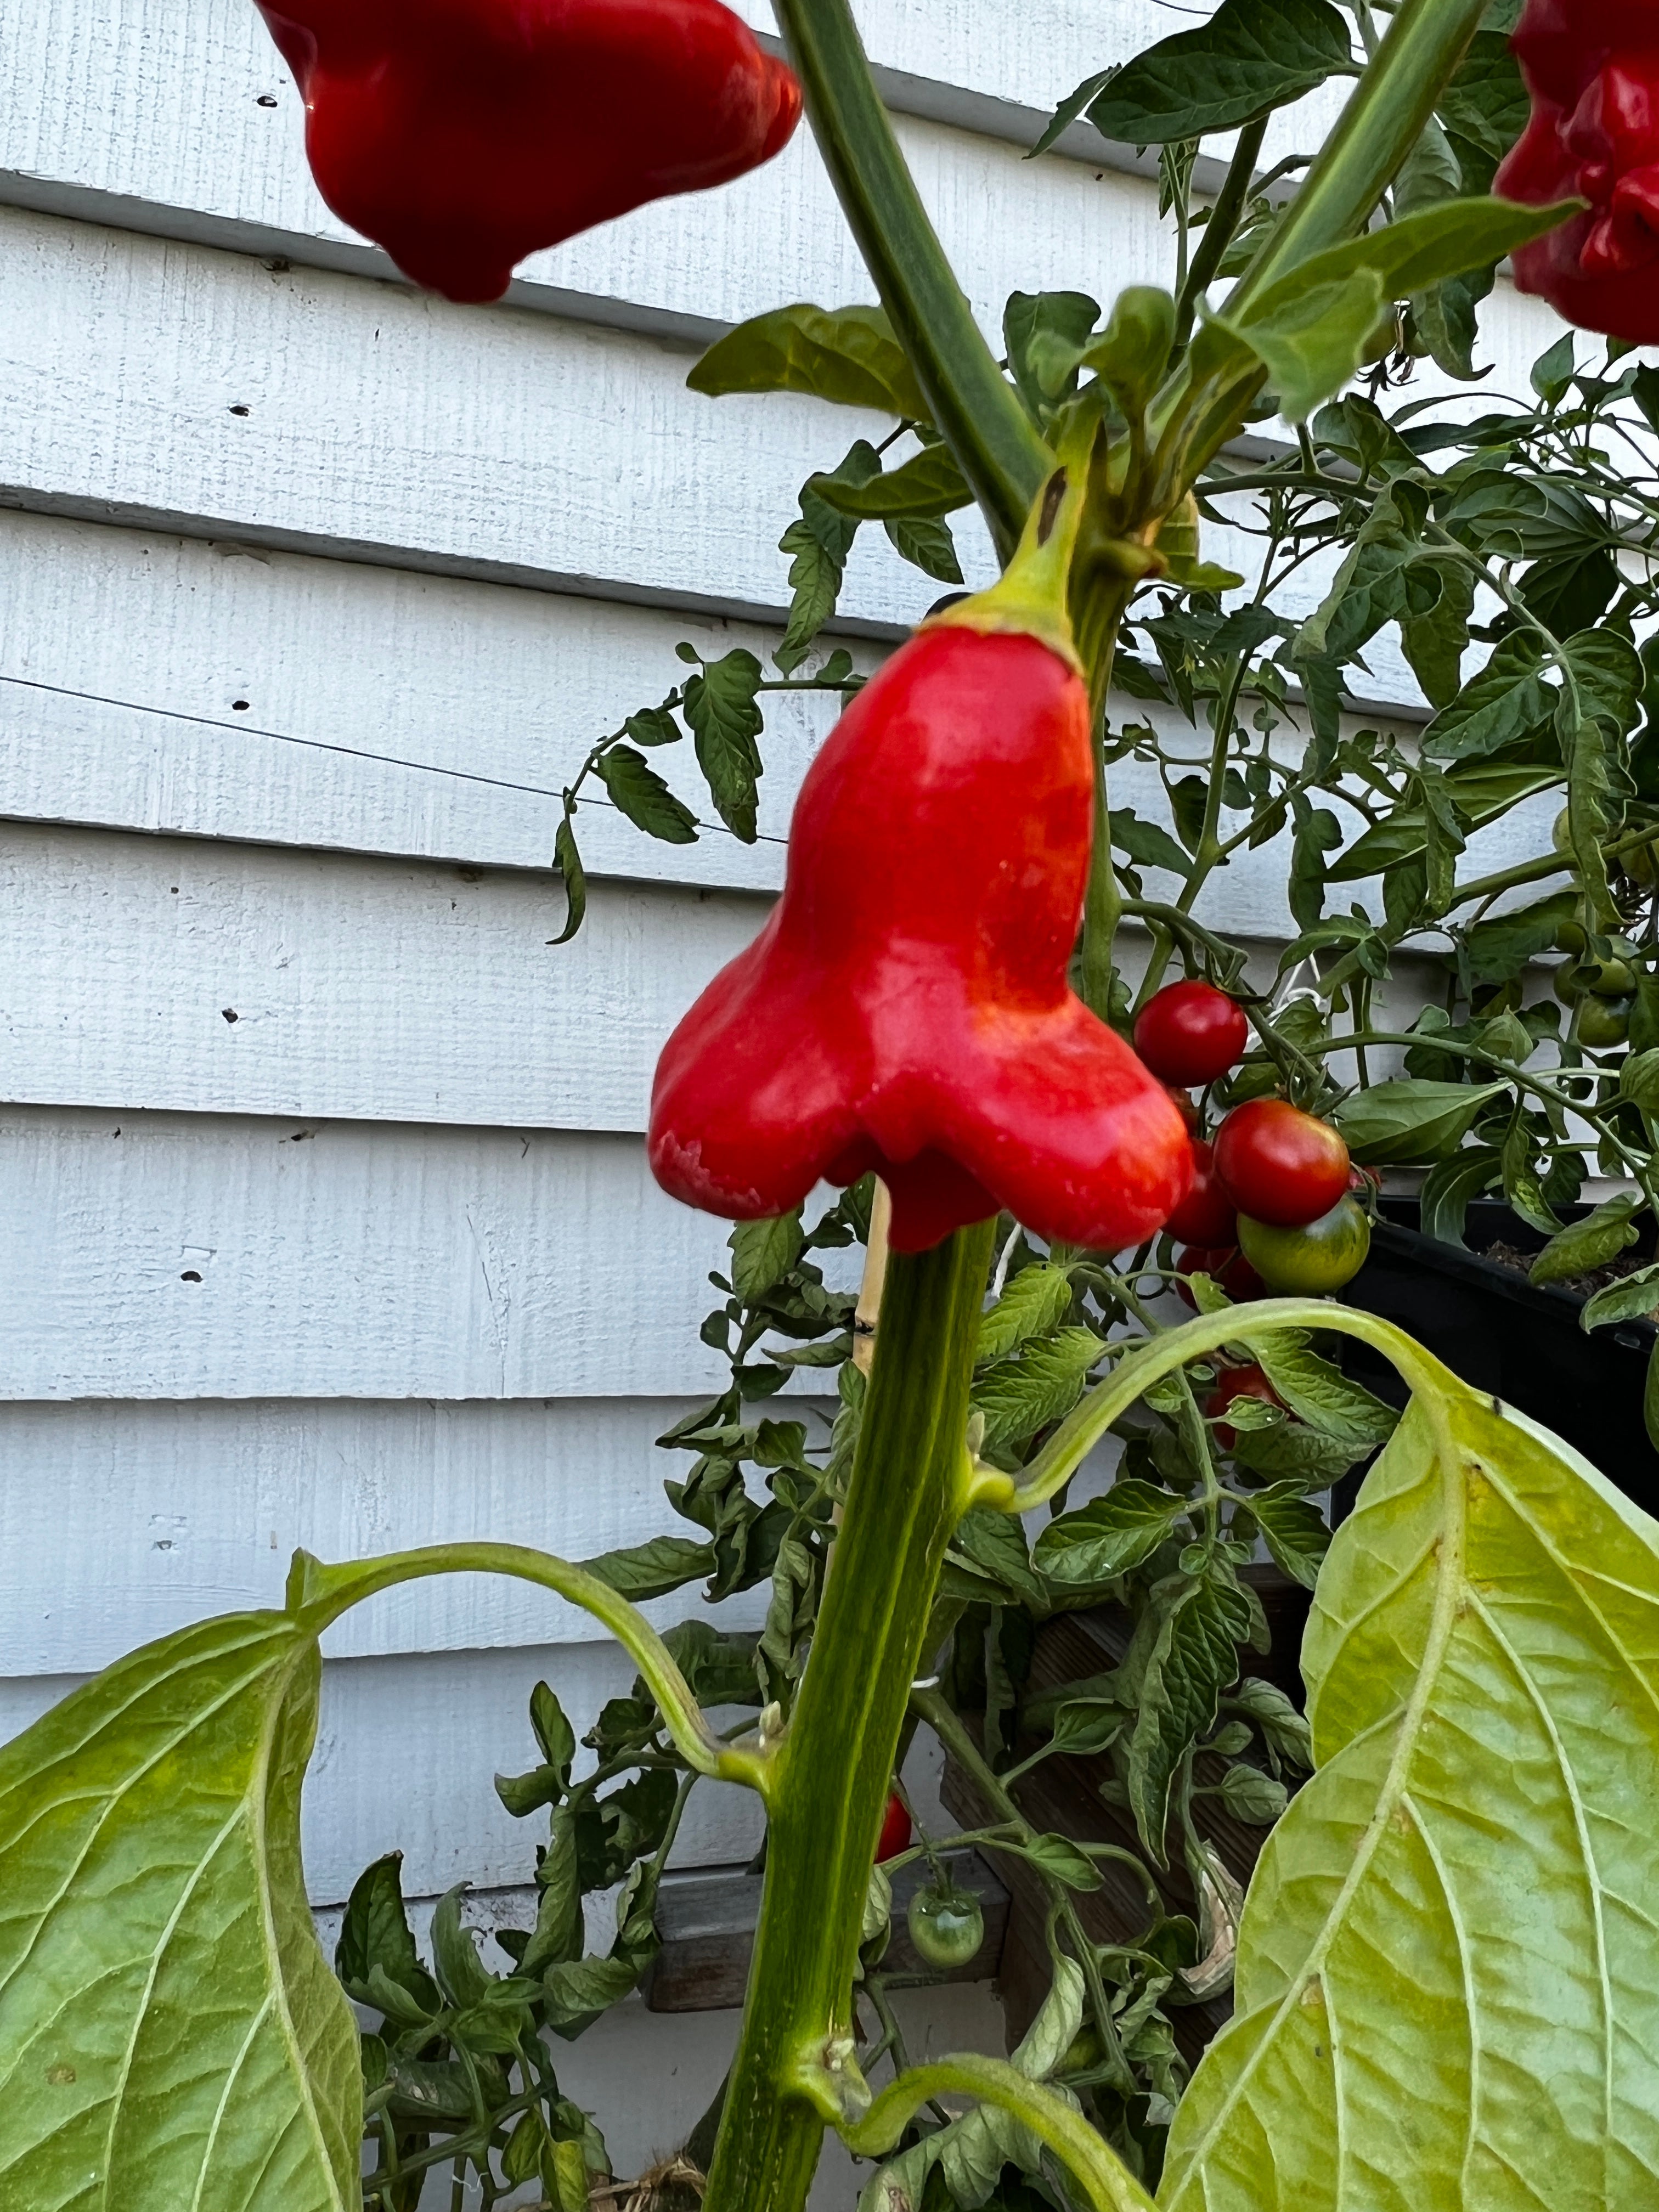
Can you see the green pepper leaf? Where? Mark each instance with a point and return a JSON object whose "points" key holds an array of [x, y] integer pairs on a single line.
{"points": [[158, 1963], [1311, 326], [1449, 1187], [1443, 1914], [1635, 1299]]}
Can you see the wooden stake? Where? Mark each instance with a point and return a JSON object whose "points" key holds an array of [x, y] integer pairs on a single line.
{"points": [[868, 1311]]}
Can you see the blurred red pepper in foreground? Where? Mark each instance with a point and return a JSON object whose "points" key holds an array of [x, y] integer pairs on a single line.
{"points": [[462, 134], [1593, 72], [906, 1007]]}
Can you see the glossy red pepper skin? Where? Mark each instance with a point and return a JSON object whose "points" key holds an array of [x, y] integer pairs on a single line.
{"points": [[462, 134], [1592, 67], [906, 1008]]}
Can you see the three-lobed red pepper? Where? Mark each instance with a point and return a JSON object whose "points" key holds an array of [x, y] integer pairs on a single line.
{"points": [[462, 134], [906, 1009], [1592, 67]]}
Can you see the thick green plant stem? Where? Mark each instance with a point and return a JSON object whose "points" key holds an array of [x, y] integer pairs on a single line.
{"points": [[1382, 121], [996, 448], [911, 1482], [1097, 624]]}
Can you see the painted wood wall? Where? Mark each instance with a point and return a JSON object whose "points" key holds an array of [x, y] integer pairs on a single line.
{"points": [[325, 1216]]}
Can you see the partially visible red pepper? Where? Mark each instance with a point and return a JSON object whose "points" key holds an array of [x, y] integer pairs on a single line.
{"points": [[462, 134], [906, 1008], [1593, 72]]}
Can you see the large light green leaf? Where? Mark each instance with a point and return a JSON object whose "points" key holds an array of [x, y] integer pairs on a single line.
{"points": [[1448, 1979], [171, 2037]]}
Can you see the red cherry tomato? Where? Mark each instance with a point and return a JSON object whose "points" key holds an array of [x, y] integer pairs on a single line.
{"points": [[1191, 1033], [1183, 1101], [1230, 1269], [1206, 1216], [1279, 1164], [895, 1830], [1238, 1382]]}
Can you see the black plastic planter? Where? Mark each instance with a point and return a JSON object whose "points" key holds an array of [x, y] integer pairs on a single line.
{"points": [[1525, 1346]]}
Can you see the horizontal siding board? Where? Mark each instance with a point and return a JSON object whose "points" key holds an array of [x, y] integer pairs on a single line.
{"points": [[191, 975], [389, 426], [190, 1510], [386, 427], [341, 1260], [469, 690], [179, 974]]}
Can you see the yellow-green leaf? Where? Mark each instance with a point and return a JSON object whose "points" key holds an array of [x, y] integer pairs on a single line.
{"points": [[170, 2033], [1448, 1980]]}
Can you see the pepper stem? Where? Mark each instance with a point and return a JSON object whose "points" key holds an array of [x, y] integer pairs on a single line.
{"points": [[910, 1488], [1032, 594]]}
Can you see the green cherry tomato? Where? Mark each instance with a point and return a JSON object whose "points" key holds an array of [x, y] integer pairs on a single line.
{"points": [[947, 1928], [1603, 979], [1603, 1023], [1570, 938], [1308, 1262]]}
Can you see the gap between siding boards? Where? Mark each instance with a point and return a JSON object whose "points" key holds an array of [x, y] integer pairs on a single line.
{"points": [[619, 591], [977, 114]]}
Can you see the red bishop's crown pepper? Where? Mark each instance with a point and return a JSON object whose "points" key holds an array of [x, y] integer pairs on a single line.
{"points": [[1592, 67], [906, 1007], [462, 134]]}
